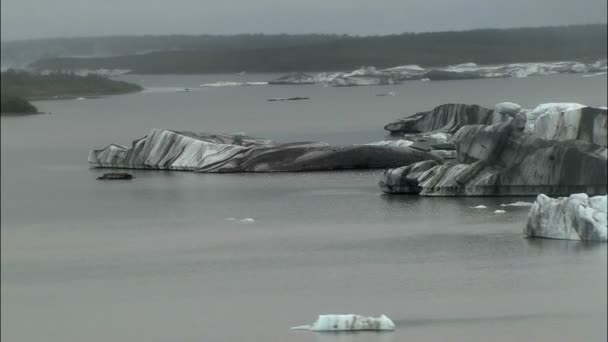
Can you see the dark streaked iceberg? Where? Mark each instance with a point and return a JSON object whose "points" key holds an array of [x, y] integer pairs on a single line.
{"points": [[506, 159], [577, 217], [200, 152], [446, 118], [295, 78]]}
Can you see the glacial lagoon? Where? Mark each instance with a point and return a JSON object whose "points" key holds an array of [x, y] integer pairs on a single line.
{"points": [[172, 256]]}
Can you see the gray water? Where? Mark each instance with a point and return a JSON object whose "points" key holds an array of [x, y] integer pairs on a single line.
{"points": [[157, 258]]}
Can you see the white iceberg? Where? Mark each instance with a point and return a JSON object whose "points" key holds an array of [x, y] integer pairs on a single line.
{"points": [[481, 206], [517, 204], [398, 143], [577, 217], [508, 108], [232, 84], [499, 211], [348, 323], [552, 108], [247, 220]]}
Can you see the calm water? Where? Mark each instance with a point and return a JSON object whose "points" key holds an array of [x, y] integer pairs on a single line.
{"points": [[157, 259]]}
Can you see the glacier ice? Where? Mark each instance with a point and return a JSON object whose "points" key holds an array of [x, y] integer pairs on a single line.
{"points": [[348, 322], [517, 204], [577, 217]]}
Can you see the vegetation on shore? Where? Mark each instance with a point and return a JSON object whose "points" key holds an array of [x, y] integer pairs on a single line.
{"points": [[16, 105], [17, 87], [281, 53], [35, 86]]}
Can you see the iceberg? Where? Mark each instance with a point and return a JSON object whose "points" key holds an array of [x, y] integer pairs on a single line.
{"points": [[481, 206], [232, 84], [499, 211], [577, 217], [370, 75], [517, 204], [496, 155], [399, 143], [349, 323], [204, 152]]}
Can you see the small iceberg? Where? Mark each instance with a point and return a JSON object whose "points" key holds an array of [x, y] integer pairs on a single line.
{"points": [[578, 217], [481, 206], [288, 99], [517, 204], [247, 220], [232, 84], [499, 211], [349, 323]]}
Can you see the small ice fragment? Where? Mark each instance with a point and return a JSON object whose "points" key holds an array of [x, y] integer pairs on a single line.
{"points": [[348, 323], [481, 206], [247, 220], [499, 211], [230, 219]]}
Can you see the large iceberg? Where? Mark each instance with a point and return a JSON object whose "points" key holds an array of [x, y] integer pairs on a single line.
{"points": [[349, 323], [563, 154], [372, 76], [577, 217], [203, 152]]}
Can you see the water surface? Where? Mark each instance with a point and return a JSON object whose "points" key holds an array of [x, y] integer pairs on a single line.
{"points": [[158, 258]]}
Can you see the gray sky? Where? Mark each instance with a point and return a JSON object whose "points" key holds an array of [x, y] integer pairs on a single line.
{"points": [[23, 19]]}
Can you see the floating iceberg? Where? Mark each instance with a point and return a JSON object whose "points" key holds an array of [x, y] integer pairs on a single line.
{"points": [[365, 76], [577, 217], [499, 211], [247, 220], [400, 142], [517, 204], [349, 323], [232, 84], [481, 206], [565, 152], [205, 152]]}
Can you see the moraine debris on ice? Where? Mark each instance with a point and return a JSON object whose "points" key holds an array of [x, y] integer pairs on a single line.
{"points": [[556, 148], [203, 152]]}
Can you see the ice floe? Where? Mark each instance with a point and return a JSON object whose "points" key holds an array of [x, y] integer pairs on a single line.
{"points": [[517, 204], [578, 217], [349, 323]]}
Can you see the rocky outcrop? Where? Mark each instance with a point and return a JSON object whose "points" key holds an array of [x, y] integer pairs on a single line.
{"points": [[503, 159], [577, 217], [200, 152], [446, 118]]}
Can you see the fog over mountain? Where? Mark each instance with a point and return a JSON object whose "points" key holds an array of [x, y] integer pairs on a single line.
{"points": [[71, 18]]}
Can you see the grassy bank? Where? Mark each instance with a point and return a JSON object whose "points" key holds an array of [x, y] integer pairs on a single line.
{"points": [[33, 86], [14, 105]]}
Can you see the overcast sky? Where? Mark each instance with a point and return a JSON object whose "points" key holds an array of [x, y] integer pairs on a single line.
{"points": [[24, 19]]}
